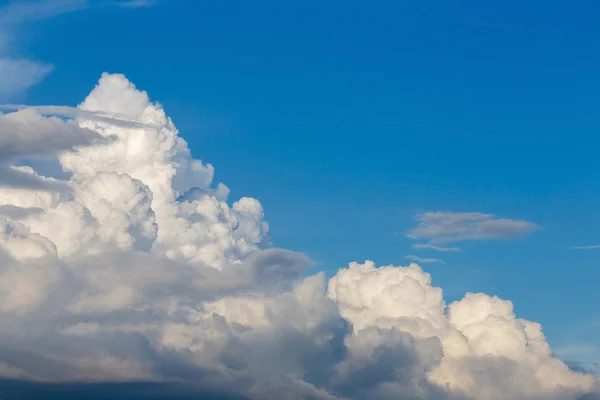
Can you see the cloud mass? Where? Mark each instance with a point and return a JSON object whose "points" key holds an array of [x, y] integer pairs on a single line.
{"points": [[144, 271]]}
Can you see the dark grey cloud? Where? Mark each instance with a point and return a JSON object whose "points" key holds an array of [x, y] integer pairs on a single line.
{"points": [[15, 212], [28, 133], [26, 390], [16, 178]]}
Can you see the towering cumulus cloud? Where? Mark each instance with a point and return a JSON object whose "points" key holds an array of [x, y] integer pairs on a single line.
{"points": [[141, 270]]}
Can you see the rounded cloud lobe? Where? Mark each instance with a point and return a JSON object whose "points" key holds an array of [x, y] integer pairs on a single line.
{"points": [[143, 271]]}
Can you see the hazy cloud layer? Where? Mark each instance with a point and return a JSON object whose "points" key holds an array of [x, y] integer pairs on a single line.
{"points": [[17, 75], [145, 272]]}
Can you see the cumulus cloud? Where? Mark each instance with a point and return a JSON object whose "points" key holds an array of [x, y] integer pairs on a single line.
{"points": [[145, 272], [450, 227]]}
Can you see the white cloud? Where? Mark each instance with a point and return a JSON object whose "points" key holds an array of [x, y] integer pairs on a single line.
{"points": [[429, 246], [75, 113], [451, 227], [424, 260], [474, 346], [145, 272]]}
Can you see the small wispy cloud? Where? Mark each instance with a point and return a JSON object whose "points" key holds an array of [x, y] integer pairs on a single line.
{"points": [[591, 247], [18, 73], [135, 3], [440, 227], [429, 246], [424, 260]]}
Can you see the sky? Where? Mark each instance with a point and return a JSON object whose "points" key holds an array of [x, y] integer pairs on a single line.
{"points": [[457, 136]]}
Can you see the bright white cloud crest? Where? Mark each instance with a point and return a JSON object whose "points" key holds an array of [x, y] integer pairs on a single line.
{"points": [[143, 271]]}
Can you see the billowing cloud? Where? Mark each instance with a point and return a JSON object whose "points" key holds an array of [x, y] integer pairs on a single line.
{"points": [[440, 227], [145, 272]]}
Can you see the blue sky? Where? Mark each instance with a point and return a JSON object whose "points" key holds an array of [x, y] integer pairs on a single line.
{"points": [[348, 119]]}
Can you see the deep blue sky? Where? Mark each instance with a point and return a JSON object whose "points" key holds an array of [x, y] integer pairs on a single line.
{"points": [[346, 118]]}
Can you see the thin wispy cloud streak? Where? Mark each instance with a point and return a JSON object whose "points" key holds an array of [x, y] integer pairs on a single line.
{"points": [[424, 260], [134, 3], [429, 246], [590, 247]]}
